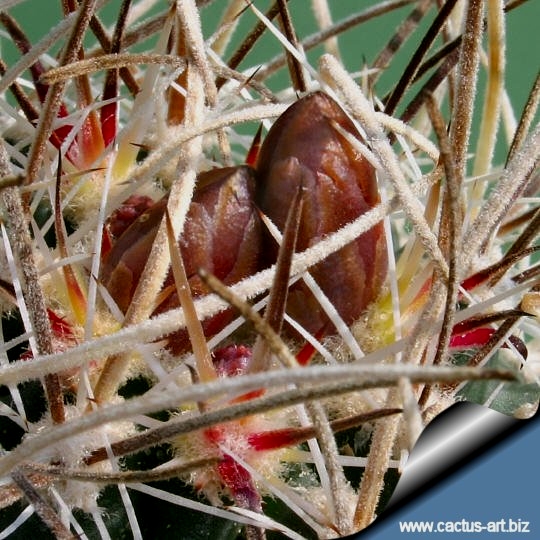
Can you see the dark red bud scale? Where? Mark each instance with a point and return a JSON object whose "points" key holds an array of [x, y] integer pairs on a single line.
{"points": [[222, 234], [240, 484], [123, 265], [304, 147], [127, 213]]}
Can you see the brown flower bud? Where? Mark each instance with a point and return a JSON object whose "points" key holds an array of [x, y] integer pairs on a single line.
{"points": [[222, 234], [304, 147]]}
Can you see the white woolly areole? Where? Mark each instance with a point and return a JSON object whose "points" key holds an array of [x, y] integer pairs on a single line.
{"points": [[68, 453]]}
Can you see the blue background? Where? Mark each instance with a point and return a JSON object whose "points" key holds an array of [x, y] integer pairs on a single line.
{"points": [[501, 483]]}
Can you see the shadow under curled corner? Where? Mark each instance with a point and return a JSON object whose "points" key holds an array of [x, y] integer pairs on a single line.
{"points": [[453, 440]]}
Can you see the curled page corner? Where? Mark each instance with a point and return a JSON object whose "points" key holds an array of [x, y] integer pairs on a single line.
{"points": [[449, 442]]}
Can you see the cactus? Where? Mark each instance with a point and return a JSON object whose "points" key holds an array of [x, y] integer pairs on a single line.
{"points": [[210, 330]]}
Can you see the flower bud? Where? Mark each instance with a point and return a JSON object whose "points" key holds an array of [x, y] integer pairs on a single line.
{"points": [[222, 234], [305, 147]]}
